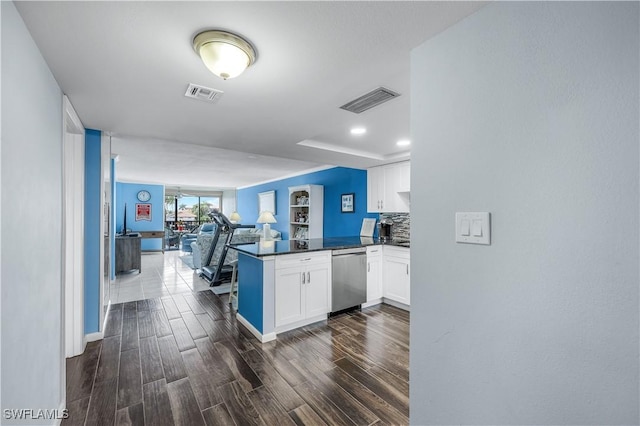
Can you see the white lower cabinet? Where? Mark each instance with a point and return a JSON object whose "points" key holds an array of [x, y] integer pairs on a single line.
{"points": [[302, 289], [388, 275], [374, 273], [317, 289], [289, 301], [396, 279]]}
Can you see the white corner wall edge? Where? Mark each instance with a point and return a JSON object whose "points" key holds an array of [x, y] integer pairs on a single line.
{"points": [[61, 411], [72, 243], [541, 327], [31, 279], [0, 217]]}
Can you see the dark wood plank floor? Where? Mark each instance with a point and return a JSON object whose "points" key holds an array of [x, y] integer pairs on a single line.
{"points": [[185, 360]]}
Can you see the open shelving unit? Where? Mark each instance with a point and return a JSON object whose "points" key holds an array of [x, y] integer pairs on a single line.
{"points": [[306, 207]]}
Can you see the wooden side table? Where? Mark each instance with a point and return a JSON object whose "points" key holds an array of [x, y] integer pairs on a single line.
{"points": [[128, 254]]}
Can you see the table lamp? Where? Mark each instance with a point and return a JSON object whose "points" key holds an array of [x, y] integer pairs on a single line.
{"points": [[266, 218], [235, 217]]}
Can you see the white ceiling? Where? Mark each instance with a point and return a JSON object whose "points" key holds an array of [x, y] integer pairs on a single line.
{"points": [[125, 66]]}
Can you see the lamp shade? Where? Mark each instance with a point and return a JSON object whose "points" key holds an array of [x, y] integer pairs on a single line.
{"points": [[266, 217], [225, 54], [235, 217]]}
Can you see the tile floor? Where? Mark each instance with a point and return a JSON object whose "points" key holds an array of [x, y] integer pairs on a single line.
{"points": [[162, 275]]}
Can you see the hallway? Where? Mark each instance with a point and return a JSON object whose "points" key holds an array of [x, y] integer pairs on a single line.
{"points": [[162, 275]]}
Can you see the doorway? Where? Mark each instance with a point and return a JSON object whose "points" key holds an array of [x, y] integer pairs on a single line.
{"points": [[73, 230]]}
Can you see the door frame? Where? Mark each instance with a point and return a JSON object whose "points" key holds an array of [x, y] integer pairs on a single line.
{"points": [[73, 230]]}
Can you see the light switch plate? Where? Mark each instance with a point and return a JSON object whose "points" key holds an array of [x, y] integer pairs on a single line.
{"points": [[463, 219]]}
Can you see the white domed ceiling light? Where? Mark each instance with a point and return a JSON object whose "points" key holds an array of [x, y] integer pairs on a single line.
{"points": [[226, 54]]}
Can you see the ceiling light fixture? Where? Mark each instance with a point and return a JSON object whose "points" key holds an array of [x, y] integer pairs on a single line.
{"points": [[403, 142], [226, 54], [358, 131]]}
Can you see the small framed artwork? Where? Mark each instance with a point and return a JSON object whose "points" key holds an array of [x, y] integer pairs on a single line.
{"points": [[348, 203], [143, 212], [267, 202]]}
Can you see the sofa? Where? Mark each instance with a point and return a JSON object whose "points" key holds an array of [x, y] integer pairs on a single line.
{"points": [[187, 239]]}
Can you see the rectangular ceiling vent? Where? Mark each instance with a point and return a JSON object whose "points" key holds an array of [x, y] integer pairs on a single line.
{"points": [[202, 93], [370, 100]]}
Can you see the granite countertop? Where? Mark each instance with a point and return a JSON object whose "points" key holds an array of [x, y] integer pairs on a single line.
{"points": [[273, 248]]}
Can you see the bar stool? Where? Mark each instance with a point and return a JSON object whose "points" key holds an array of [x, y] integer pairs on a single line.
{"points": [[233, 293]]}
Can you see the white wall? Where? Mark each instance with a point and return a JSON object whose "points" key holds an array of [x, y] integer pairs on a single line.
{"points": [[229, 202], [31, 224], [529, 111]]}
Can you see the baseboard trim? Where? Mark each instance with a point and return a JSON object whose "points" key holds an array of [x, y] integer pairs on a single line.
{"points": [[372, 303], [302, 323], [92, 337], [261, 337], [397, 304]]}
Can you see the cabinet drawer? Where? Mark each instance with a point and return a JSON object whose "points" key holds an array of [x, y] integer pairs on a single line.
{"points": [[303, 259], [402, 252], [374, 251]]}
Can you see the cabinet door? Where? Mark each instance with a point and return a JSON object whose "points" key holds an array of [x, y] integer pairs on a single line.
{"points": [[375, 189], [405, 177], [396, 279], [374, 272], [397, 183], [391, 183], [289, 302], [317, 288]]}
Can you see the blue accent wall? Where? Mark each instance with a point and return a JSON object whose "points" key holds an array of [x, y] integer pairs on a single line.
{"points": [[250, 290], [127, 193], [92, 237], [336, 181]]}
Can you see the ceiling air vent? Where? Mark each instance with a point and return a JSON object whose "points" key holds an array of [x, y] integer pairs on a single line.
{"points": [[202, 93], [370, 100]]}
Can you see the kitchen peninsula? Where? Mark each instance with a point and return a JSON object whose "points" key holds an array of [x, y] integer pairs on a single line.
{"points": [[287, 284]]}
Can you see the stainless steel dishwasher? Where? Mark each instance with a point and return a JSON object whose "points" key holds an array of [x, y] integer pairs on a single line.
{"points": [[349, 278]]}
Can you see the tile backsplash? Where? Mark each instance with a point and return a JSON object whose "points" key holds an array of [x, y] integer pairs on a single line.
{"points": [[401, 224]]}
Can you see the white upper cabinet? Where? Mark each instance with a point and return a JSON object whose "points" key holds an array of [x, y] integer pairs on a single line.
{"points": [[375, 189], [388, 188]]}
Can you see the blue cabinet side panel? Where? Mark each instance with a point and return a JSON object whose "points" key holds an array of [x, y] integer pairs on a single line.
{"points": [[92, 237], [250, 290]]}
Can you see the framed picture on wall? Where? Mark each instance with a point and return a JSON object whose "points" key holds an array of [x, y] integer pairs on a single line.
{"points": [[348, 203], [143, 212], [267, 202]]}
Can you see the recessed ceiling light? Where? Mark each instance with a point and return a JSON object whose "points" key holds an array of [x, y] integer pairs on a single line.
{"points": [[358, 131], [403, 142]]}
